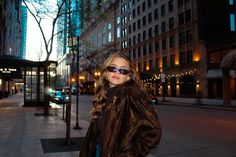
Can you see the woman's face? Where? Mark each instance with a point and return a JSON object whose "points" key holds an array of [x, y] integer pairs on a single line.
{"points": [[118, 72]]}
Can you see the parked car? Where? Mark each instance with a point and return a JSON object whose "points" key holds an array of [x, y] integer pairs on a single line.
{"points": [[60, 96]]}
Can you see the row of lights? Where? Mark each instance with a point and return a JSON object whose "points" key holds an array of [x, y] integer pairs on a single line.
{"points": [[155, 77]]}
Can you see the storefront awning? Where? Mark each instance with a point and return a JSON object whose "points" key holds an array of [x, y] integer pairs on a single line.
{"points": [[217, 73]]}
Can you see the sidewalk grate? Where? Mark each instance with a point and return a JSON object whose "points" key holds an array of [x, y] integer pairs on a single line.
{"points": [[59, 145]]}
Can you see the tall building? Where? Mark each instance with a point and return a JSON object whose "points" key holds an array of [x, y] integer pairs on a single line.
{"points": [[217, 31], [10, 34], [100, 33], [10, 28], [176, 46], [68, 27], [161, 38], [24, 15]]}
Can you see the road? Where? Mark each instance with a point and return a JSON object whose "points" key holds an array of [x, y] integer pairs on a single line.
{"points": [[187, 131]]}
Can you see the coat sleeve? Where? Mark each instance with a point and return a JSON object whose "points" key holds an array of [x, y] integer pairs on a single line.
{"points": [[146, 130], [86, 148]]}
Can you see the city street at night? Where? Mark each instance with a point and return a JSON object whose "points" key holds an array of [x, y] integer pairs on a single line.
{"points": [[58, 58]]}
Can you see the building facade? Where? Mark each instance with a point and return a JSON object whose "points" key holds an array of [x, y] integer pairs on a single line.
{"points": [[161, 38], [24, 15], [10, 33], [100, 34], [175, 45]]}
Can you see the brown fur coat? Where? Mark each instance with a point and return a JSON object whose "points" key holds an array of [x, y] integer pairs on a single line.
{"points": [[131, 128]]}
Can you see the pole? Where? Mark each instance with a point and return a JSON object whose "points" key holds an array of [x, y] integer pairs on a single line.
{"points": [[77, 88]]}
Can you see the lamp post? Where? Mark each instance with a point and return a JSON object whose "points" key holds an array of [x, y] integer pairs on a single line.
{"points": [[77, 90]]}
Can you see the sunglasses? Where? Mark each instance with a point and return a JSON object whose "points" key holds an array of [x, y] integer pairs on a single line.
{"points": [[119, 70]]}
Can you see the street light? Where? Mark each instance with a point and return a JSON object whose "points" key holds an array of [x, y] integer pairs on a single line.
{"points": [[97, 74], [77, 90]]}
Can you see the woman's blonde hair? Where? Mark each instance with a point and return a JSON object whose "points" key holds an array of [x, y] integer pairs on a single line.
{"points": [[100, 90]]}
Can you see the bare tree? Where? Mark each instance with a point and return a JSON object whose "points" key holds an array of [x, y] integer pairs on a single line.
{"points": [[44, 12]]}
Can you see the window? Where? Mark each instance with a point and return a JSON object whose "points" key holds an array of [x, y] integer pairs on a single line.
{"points": [[139, 24], [163, 44], [139, 66], [157, 65], [150, 48], [144, 20], [156, 46], [150, 33], [118, 32], [144, 50], [163, 27], [164, 61], [163, 10], [150, 18], [180, 3], [143, 6], [123, 9], [150, 65], [189, 57], [134, 26], [170, 6], [118, 20], [172, 41], [130, 53], [181, 38], [172, 60], [109, 36], [182, 58], [129, 16], [139, 37], [171, 23], [134, 13], [181, 18], [129, 29], [124, 32], [134, 53], [133, 1], [144, 65], [134, 39], [231, 2], [138, 10], [139, 51], [189, 36], [149, 3], [156, 29], [144, 35], [156, 16], [129, 4], [123, 20], [188, 15], [232, 22], [129, 43]]}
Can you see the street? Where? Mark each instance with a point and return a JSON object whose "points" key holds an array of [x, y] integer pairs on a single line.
{"points": [[187, 131]]}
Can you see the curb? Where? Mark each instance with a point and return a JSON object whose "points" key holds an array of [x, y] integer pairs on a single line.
{"points": [[225, 108]]}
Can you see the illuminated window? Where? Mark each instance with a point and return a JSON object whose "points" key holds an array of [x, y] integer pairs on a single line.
{"points": [[232, 22], [231, 2]]}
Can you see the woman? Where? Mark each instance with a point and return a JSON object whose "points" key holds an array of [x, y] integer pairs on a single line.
{"points": [[123, 124]]}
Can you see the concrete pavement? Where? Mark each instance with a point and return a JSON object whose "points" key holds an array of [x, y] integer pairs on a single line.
{"points": [[22, 129]]}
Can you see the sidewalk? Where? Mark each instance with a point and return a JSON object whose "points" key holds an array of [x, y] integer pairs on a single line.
{"points": [[22, 131]]}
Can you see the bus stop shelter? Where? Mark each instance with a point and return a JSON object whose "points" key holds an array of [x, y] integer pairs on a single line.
{"points": [[37, 77]]}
